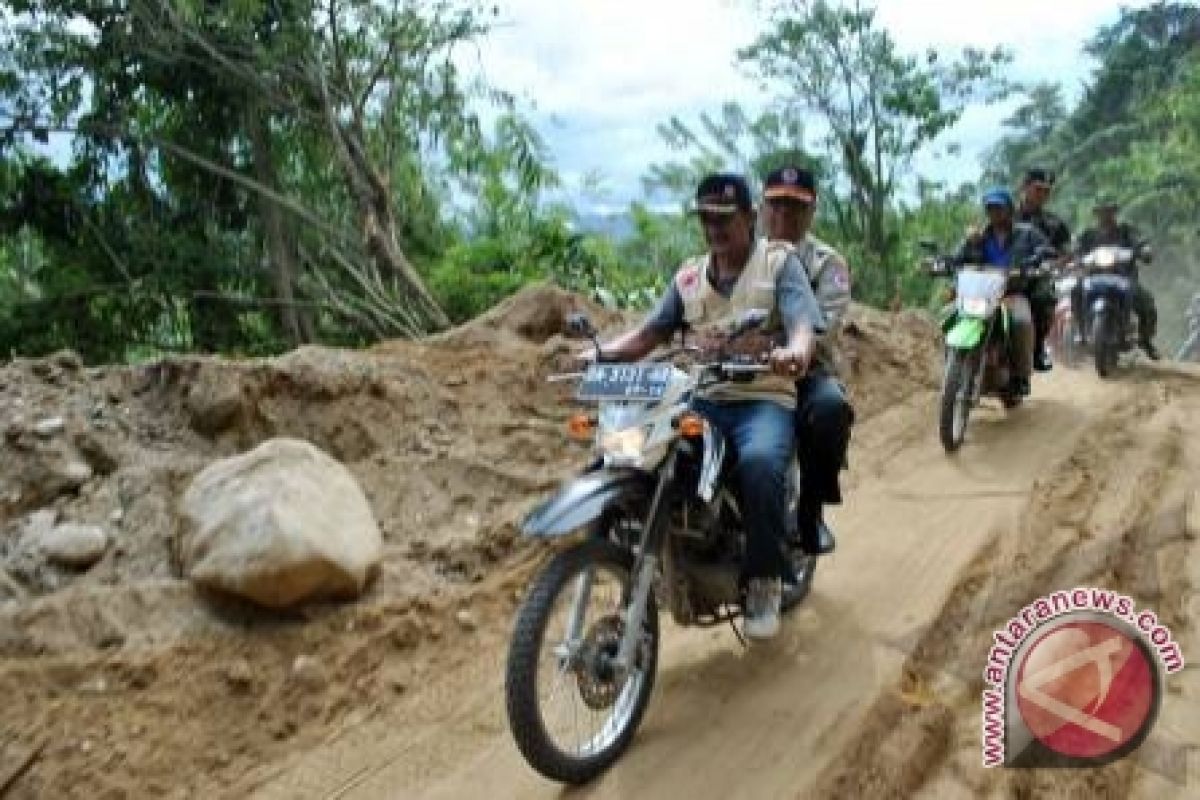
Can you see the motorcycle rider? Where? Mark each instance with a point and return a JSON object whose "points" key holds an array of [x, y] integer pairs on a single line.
{"points": [[1035, 191], [1004, 242], [738, 273], [1120, 234], [823, 415]]}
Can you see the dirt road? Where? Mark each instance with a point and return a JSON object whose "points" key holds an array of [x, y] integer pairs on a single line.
{"points": [[873, 688]]}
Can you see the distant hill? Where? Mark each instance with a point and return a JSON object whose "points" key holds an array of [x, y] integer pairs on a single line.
{"points": [[616, 225]]}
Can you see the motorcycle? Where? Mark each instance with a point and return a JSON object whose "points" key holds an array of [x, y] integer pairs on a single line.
{"points": [[1190, 350], [1064, 337], [1110, 324], [663, 529], [978, 343]]}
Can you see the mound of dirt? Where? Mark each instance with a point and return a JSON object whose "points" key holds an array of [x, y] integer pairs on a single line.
{"points": [[121, 681]]}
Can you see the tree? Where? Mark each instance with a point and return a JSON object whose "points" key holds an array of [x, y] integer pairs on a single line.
{"points": [[877, 106], [312, 121]]}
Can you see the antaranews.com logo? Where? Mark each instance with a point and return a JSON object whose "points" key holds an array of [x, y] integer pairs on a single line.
{"points": [[1074, 680]]}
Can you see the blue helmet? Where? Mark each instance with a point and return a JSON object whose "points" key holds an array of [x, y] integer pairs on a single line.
{"points": [[998, 196]]}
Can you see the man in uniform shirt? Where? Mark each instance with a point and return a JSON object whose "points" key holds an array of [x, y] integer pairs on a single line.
{"points": [[1035, 191], [709, 293], [823, 415]]}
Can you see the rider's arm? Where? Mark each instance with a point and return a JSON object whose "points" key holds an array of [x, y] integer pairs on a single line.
{"points": [[833, 290], [798, 308], [664, 320]]}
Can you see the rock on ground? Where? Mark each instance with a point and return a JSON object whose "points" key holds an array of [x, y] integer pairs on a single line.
{"points": [[279, 525]]}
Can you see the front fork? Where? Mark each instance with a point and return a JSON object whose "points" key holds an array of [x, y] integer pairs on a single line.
{"points": [[645, 567]]}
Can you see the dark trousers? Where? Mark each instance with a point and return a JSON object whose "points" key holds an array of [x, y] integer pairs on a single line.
{"points": [[1147, 313], [1042, 300], [823, 420], [762, 434]]}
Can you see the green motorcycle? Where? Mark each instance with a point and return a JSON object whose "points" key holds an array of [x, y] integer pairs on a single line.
{"points": [[978, 330]]}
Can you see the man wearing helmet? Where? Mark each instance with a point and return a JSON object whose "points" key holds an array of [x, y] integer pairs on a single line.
{"points": [[1004, 242]]}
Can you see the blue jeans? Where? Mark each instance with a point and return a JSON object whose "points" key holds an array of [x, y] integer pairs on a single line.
{"points": [[762, 434]]}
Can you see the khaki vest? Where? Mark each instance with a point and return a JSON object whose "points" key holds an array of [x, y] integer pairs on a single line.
{"points": [[706, 308]]}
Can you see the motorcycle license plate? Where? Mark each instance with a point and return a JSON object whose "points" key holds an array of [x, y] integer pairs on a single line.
{"points": [[646, 382]]}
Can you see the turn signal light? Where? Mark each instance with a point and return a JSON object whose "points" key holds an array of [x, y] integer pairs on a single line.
{"points": [[581, 426], [691, 425]]}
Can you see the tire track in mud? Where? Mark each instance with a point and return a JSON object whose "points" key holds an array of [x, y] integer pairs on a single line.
{"points": [[1093, 519]]}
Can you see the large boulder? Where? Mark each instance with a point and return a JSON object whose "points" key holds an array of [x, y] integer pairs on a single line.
{"points": [[279, 525]]}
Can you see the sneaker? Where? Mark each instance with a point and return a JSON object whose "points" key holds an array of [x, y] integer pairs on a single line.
{"points": [[1151, 351], [763, 598]]}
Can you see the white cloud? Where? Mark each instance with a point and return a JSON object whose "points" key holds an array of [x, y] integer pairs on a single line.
{"points": [[601, 74]]}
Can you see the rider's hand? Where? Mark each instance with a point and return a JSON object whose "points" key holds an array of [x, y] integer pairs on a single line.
{"points": [[789, 362], [585, 358], [974, 233]]}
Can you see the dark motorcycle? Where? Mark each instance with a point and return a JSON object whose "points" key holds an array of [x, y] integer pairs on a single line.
{"points": [[663, 529], [1108, 288]]}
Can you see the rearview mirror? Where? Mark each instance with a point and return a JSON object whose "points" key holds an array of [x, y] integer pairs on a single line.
{"points": [[580, 325]]}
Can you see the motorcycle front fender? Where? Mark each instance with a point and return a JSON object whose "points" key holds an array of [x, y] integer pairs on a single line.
{"points": [[967, 333], [585, 499]]}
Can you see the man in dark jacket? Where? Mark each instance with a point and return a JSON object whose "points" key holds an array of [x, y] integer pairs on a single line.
{"points": [[1035, 191]]}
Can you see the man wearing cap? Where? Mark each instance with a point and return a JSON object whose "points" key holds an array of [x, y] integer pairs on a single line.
{"points": [[1120, 234], [1003, 242], [823, 415], [1035, 191], [710, 292]]}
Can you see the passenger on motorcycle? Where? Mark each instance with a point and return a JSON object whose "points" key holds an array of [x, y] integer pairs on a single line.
{"points": [[823, 415], [1120, 234], [1035, 191], [1003, 242], [709, 292]]}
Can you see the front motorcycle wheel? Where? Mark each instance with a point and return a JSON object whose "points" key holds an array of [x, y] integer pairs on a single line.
{"points": [[571, 712], [957, 396], [1104, 341]]}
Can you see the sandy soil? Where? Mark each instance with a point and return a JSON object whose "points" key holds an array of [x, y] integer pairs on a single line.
{"points": [[122, 682]]}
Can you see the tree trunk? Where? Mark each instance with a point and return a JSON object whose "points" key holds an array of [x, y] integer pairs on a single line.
{"points": [[296, 326], [373, 198]]}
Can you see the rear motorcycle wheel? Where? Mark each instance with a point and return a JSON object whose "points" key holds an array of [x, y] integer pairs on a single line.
{"points": [[551, 658], [957, 390]]}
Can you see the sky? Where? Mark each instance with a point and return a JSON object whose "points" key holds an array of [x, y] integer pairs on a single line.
{"points": [[597, 76]]}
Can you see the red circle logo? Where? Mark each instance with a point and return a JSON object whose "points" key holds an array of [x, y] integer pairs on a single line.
{"points": [[1086, 689]]}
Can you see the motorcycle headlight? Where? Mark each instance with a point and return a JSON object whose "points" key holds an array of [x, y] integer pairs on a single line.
{"points": [[975, 306], [625, 445], [621, 435], [1105, 259]]}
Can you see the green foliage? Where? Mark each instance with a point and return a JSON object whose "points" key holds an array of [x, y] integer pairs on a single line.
{"points": [[1134, 137]]}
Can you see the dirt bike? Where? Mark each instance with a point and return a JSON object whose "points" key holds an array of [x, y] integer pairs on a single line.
{"points": [[1064, 336], [978, 342], [663, 529], [1190, 349], [1109, 322]]}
